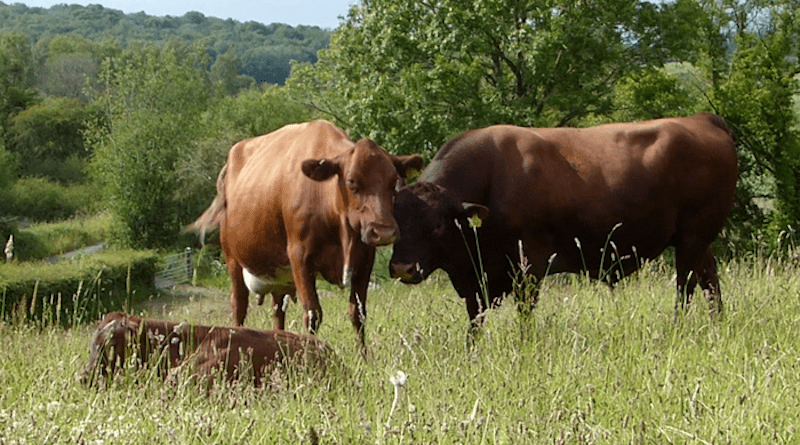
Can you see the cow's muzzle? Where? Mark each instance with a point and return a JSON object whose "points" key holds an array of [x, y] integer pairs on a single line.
{"points": [[380, 235], [409, 273]]}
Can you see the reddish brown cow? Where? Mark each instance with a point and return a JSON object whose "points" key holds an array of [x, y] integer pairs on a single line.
{"points": [[301, 201], [169, 345], [599, 200]]}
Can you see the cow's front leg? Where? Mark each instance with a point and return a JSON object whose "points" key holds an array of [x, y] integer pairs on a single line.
{"points": [[362, 263], [305, 282]]}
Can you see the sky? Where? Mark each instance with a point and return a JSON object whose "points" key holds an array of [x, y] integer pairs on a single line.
{"points": [[322, 13]]}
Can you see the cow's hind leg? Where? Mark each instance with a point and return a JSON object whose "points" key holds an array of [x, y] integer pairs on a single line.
{"points": [[240, 295], [695, 264], [280, 301], [706, 273]]}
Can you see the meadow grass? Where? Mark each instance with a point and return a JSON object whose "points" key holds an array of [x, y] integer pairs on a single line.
{"points": [[591, 365]]}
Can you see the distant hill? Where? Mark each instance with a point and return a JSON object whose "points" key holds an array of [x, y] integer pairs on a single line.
{"points": [[264, 51]]}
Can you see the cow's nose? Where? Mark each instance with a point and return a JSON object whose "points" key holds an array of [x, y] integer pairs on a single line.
{"points": [[381, 235], [407, 272]]}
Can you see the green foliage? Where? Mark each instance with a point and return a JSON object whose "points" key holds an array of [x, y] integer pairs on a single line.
{"points": [[16, 76], [413, 74], [77, 290], [755, 95], [225, 74], [48, 139], [39, 199], [650, 95], [8, 168], [46, 240], [68, 64], [265, 50], [153, 100]]}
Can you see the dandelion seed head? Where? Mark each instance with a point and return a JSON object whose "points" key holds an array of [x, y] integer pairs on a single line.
{"points": [[399, 379]]}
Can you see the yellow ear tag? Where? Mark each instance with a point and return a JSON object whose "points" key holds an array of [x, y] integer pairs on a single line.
{"points": [[475, 221]]}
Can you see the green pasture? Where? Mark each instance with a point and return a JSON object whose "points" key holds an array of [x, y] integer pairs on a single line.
{"points": [[593, 365]]}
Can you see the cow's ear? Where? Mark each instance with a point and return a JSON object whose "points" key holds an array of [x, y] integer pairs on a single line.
{"points": [[320, 169], [475, 210], [407, 165]]}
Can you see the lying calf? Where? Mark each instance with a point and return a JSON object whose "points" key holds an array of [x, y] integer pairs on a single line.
{"points": [[170, 345]]}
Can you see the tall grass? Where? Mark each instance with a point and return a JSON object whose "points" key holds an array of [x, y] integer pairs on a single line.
{"points": [[592, 365]]}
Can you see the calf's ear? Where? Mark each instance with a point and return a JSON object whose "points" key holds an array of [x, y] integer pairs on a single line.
{"points": [[407, 165], [320, 169]]}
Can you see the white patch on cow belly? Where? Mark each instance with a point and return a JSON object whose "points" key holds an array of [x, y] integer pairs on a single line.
{"points": [[263, 284]]}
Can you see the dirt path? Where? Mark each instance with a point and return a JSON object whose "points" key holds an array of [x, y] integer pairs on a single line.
{"points": [[200, 304]]}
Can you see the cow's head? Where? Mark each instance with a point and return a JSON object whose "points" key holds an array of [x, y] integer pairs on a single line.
{"points": [[427, 216], [369, 178]]}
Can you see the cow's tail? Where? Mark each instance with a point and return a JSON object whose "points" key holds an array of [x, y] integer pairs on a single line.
{"points": [[210, 219]]}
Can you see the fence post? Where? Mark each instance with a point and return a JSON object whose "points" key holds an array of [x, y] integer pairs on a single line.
{"points": [[187, 254]]}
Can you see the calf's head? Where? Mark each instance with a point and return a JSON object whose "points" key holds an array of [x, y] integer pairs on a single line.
{"points": [[107, 348], [369, 178], [118, 335], [429, 236]]}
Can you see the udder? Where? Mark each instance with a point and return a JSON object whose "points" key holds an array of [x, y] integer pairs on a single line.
{"points": [[281, 282]]}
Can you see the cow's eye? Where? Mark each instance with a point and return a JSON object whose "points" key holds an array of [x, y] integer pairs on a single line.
{"points": [[352, 185]]}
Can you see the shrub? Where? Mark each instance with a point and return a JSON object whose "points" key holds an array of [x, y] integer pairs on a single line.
{"points": [[75, 291], [42, 200]]}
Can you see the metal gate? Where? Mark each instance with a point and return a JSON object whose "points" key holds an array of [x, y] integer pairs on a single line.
{"points": [[175, 269]]}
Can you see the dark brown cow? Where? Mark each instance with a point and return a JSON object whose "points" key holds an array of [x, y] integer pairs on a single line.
{"points": [[599, 200], [169, 345], [301, 201]]}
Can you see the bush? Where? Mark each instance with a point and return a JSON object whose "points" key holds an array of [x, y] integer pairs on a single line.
{"points": [[76, 291], [39, 199], [42, 241]]}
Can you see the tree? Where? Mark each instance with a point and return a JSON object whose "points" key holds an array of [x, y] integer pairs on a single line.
{"points": [[413, 73], [66, 64], [16, 76], [48, 138], [154, 97], [253, 112], [225, 73], [751, 56]]}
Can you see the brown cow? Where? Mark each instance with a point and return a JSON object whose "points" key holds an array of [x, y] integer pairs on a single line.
{"points": [[169, 345], [301, 201], [599, 200]]}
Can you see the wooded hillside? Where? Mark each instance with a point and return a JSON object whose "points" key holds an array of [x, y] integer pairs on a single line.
{"points": [[264, 51]]}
